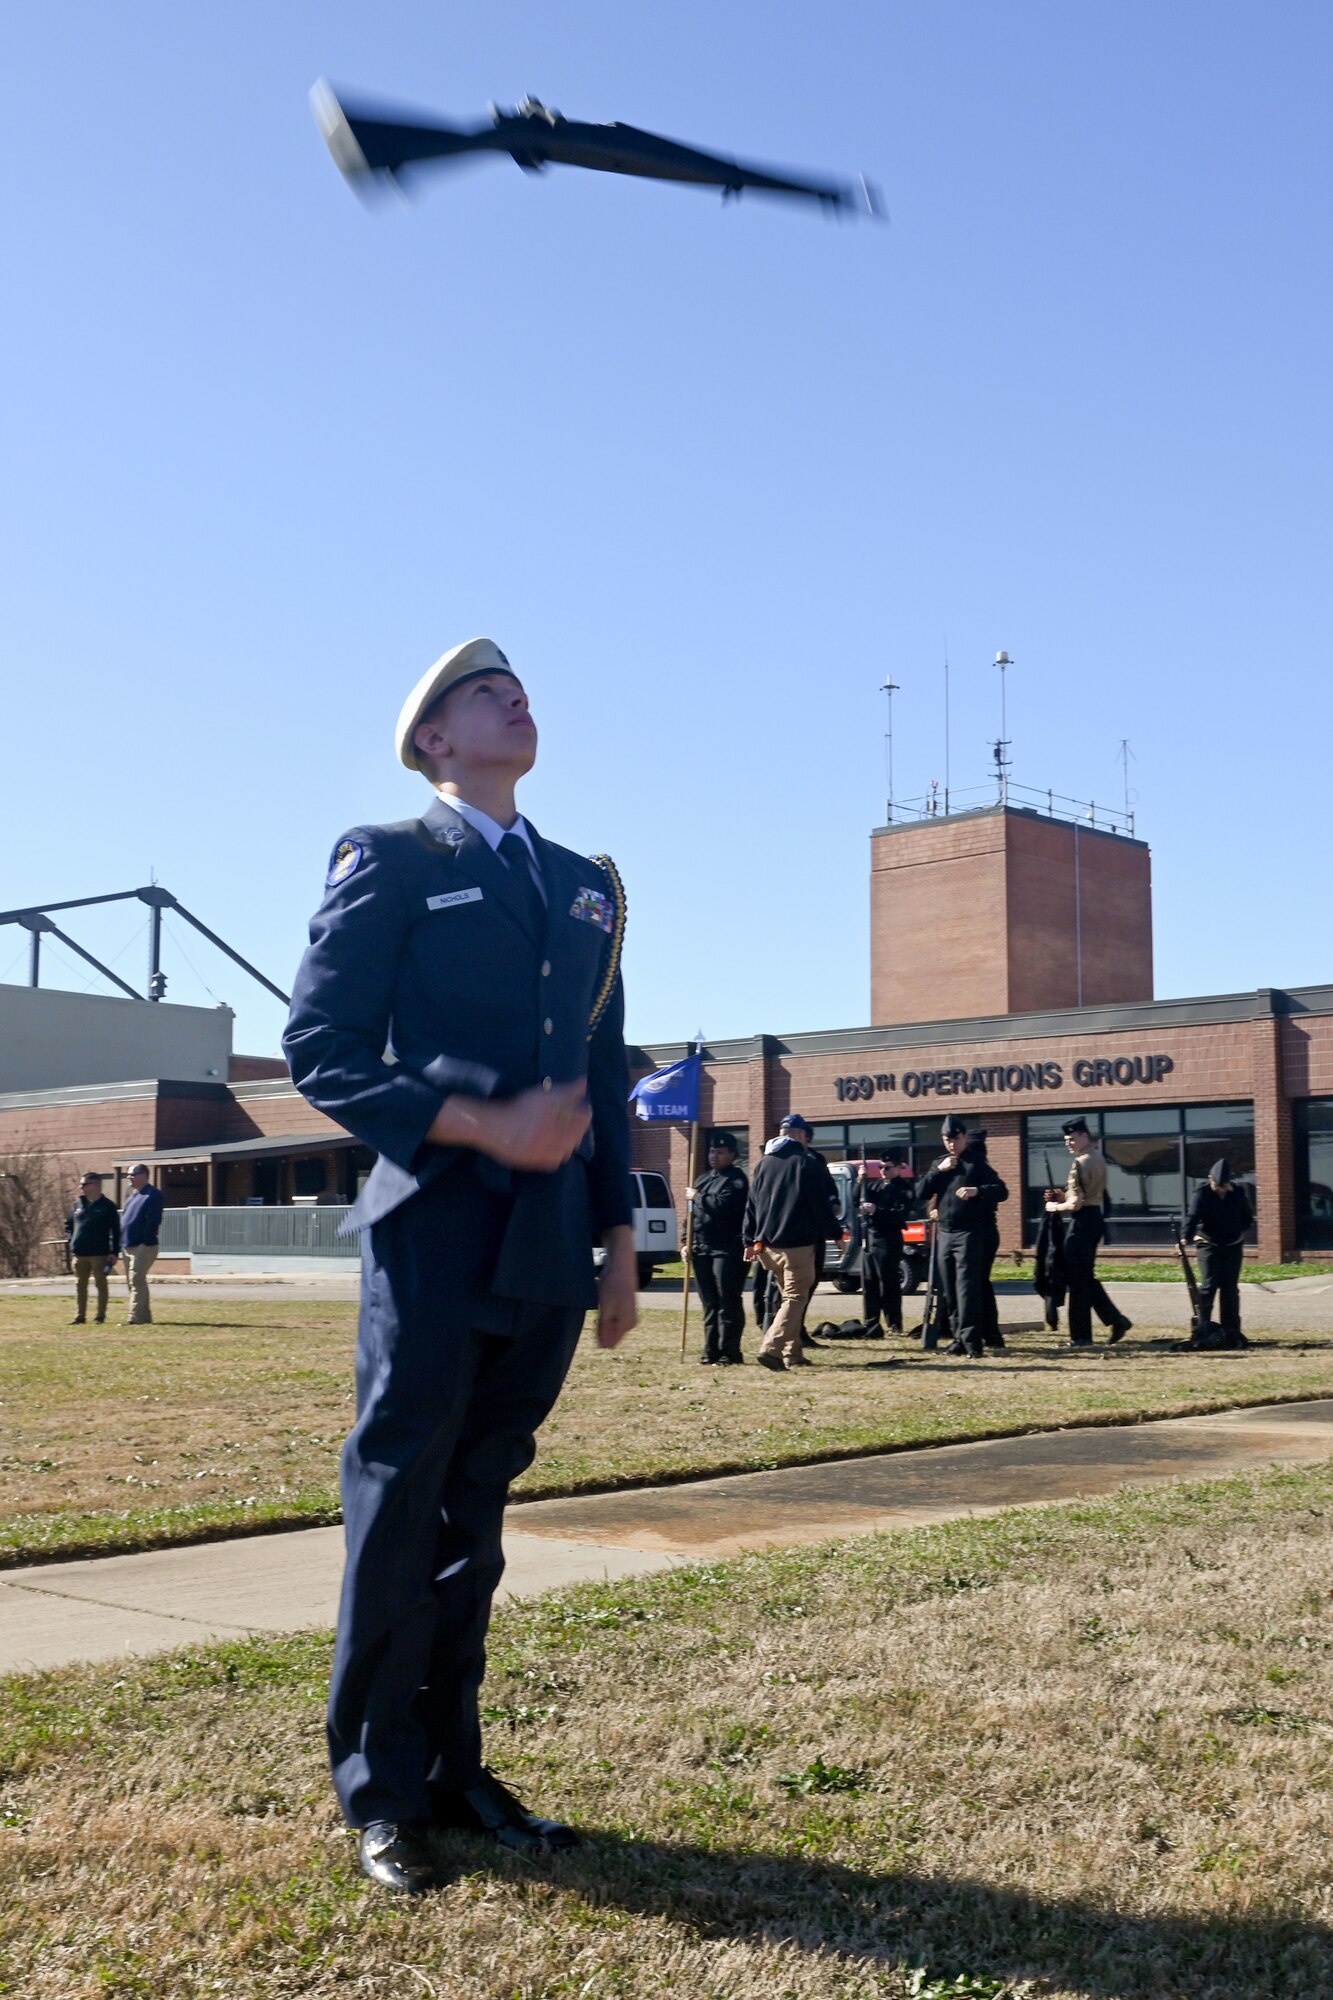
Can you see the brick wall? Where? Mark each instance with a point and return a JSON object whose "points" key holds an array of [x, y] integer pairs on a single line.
{"points": [[1214, 1062], [995, 913], [1307, 1055], [82, 1138], [937, 920]]}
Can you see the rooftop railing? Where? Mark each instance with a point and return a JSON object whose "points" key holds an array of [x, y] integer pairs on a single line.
{"points": [[941, 803]]}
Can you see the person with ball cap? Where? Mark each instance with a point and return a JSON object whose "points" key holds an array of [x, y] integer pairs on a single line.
{"points": [[459, 1010]]}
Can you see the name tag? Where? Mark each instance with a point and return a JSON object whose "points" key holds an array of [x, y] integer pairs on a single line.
{"points": [[449, 902]]}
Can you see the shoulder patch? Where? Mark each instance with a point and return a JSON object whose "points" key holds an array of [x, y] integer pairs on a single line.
{"points": [[347, 858]]}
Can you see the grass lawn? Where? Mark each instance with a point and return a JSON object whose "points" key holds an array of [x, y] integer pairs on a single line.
{"points": [[226, 1416], [1083, 1753], [1168, 1272]]}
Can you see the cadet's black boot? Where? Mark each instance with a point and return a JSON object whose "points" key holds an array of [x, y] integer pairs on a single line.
{"points": [[490, 1808], [395, 1854]]}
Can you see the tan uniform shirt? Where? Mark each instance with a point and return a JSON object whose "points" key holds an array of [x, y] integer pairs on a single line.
{"points": [[1086, 1186]]}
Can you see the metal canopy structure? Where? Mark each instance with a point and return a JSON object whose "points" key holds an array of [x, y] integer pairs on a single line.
{"points": [[37, 921]]}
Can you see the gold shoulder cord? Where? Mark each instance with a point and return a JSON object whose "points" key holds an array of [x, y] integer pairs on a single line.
{"points": [[608, 985]]}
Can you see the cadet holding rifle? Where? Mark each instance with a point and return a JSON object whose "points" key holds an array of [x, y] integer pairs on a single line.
{"points": [[965, 1190], [1220, 1215], [1081, 1207], [885, 1200]]}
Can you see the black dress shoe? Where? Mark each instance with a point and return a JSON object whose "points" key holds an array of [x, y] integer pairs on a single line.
{"points": [[490, 1808], [773, 1361], [1119, 1330], [395, 1853]]}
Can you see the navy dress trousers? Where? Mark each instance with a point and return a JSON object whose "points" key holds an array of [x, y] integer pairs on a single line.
{"points": [[434, 968]]}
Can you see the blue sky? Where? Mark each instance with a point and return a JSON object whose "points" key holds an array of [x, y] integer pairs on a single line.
{"points": [[706, 473]]}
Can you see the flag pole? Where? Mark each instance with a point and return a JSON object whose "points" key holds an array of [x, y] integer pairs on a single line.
{"points": [[688, 1252], [691, 1170]]}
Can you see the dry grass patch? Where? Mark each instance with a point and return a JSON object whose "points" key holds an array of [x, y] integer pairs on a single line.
{"points": [[228, 1415], [1083, 1753]]}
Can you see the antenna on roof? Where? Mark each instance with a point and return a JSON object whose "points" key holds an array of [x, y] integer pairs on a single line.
{"points": [[889, 690], [1125, 759], [946, 726], [1003, 764]]}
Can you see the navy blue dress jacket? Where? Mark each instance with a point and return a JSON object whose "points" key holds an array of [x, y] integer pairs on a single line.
{"points": [[423, 977]]}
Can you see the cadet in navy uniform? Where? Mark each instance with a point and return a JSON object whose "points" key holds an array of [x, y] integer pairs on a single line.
{"points": [[459, 1010]]}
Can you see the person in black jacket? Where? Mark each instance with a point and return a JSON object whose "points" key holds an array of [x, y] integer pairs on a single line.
{"points": [[965, 1190], [886, 1201], [93, 1230], [718, 1198], [1220, 1214], [788, 1217]]}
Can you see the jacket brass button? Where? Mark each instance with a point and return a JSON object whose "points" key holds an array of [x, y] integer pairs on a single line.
{"points": [[548, 1025], [546, 968], [546, 1083]]}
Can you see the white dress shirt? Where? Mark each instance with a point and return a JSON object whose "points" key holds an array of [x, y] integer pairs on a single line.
{"points": [[493, 833]]}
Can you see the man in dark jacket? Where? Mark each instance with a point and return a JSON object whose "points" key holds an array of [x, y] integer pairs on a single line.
{"points": [[1220, 1215], [93, 1229], [788, 1217], [965, 1190], [886, 1201], [718, 1198], [140, 1228]]}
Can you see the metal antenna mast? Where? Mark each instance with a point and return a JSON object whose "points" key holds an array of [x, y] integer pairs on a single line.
{"points": [[1002, 762], [1126, 754], [889, 690], [946, 726]]}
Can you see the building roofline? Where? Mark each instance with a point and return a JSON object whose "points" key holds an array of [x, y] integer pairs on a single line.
{"points": [[1086, 828], [241, 1149], [125, 1092], [1046, 1024]]}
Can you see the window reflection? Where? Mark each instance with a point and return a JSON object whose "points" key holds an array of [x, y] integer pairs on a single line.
{"points": [[1156, 1156], [1314, 1173]]}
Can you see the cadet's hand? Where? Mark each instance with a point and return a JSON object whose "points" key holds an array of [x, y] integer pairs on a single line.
{"points": [[617, 1306], [965, 1193], [537, 1131]]}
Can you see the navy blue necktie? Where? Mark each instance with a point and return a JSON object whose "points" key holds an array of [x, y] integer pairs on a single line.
{"points": [[514, 852]]}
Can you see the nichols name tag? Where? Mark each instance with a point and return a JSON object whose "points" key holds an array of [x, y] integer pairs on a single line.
{"points": [[458, 896]]}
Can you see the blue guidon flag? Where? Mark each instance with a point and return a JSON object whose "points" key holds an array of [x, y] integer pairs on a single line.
{"points": [[672, 1092]]}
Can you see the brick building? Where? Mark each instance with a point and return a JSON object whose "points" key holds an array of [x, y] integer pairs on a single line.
{"points": [[1046, 924]]}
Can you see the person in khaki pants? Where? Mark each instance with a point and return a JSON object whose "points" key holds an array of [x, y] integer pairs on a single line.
{"points": [[93, 1229], [787, 1218], [140, 1228]]}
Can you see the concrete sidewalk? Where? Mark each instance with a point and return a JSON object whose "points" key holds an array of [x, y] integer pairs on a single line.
{"points": [[58, 1613]]}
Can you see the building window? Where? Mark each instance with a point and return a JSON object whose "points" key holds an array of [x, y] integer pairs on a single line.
{"points": [[309, 1175], [914, 1141], [1314, 1173], [1156, 1157]]}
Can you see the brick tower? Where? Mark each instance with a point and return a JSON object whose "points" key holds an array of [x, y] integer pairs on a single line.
{"points": [[1005, 911]]}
